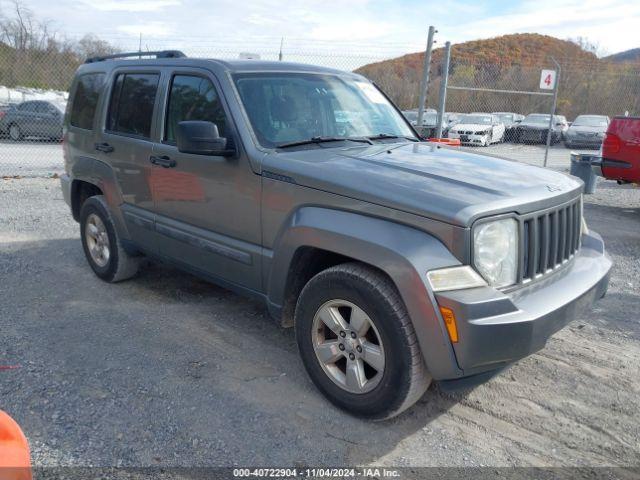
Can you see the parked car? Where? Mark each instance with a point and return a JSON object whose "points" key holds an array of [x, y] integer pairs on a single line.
{"points": [[398, 261], [452, 118], [511, 121], [586, 131], [34, 118], [429, 122], [621, 151], [478, 129], [534, 127]]}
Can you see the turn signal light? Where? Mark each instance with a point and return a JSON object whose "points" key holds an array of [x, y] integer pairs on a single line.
{"points": [[450, 322]]}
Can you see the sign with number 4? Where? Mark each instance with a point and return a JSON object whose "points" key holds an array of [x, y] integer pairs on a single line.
{"points": [[548, 79]]}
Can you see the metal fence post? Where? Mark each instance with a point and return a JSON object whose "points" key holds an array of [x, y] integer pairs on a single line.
{"points": [[443, 88], [424, 84], [553, 111]]}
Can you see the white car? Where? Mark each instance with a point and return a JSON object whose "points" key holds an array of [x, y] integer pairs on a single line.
{"points": [[481, 129]]}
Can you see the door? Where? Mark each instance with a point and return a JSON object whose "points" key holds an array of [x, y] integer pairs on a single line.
{"points": [[25, 115], [51, 120], [125, 144], [207, 207]]}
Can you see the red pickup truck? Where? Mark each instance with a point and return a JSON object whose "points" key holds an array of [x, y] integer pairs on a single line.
{"points": [[621, 151]]}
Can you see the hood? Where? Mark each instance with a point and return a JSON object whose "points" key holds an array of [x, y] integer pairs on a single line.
{"points": [[535, 126], [586, 129], [474, 127], [432, 181]]}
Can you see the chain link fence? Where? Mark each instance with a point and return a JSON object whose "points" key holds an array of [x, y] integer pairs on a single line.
{"points": [[498, 95]]}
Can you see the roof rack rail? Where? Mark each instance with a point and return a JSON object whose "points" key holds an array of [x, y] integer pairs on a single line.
{"points": [[156, 54]]}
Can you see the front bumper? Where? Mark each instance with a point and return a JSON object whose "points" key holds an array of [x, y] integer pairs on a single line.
{"points": [[470, 139], [581, 142], [497, 328]]}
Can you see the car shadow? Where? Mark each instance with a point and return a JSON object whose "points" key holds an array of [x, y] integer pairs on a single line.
{"points": [[185, 371]]}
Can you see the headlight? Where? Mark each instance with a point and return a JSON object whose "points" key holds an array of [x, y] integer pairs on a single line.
{"points": [[495, 251]]}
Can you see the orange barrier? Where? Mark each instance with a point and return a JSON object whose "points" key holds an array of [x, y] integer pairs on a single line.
{"points": [[452, 142], [15, 458]]}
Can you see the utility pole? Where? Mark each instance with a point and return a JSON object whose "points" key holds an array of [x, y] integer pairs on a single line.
{"points": [[443, 88], [424, 84], [553, 110], [140, 45]]}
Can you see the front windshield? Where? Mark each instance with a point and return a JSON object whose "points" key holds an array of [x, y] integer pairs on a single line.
{"points": [[542, 119], [590, 121], [476, 119], [291, 107], [505, 118]]}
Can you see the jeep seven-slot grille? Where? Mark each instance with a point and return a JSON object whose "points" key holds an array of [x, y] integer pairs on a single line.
{"points": [[549, 239]]}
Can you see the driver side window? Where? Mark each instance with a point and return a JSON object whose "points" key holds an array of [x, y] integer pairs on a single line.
{"points": [[193, 97]]}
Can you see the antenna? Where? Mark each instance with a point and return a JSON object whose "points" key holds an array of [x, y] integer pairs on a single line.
{"points": [[280, 54]]}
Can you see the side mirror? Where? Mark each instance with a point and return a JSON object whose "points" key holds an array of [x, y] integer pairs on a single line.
{"points": [[559, 124], [201, 138]]}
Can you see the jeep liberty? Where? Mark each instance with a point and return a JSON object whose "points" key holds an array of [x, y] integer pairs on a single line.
{"points": [[397, 261]]}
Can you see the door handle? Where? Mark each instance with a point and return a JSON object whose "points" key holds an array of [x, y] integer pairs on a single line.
{"points": [[163, 161], [104, 147]]}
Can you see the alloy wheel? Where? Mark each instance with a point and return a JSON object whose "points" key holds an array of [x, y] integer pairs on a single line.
{"points": [[97, 240], [348, 346]]}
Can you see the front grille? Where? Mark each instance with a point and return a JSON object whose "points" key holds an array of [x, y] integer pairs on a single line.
{"points": [[548, 240]]}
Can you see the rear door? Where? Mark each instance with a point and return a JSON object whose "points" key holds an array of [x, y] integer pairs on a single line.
{"points": [[126, 144], [25, 117], [208, 207]]}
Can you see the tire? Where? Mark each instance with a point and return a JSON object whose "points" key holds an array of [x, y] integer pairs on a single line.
{"points": [[489, 139], [403, 378], [117, 264], [15, 133], [567, 145]]}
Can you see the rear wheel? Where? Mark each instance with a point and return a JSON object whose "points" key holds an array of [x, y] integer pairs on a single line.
{"points": [[15, 133], [357, 342], [101, 244]]}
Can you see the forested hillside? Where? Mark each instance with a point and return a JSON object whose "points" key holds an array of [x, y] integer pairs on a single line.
{"points": [[513, 62]]}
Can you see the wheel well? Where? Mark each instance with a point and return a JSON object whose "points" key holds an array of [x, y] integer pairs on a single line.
{"points": [[80, 191], [306, 263]]}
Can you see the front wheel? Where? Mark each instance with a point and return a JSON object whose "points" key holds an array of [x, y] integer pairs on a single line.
{"points": [[357, 342]]}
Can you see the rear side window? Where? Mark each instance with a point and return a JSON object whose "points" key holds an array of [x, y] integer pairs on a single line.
{"points": [[85, 100], [193, 98], [27, 107], [131, 105]]}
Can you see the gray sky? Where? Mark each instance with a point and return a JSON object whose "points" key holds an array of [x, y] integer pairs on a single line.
{"points": [[376, 28]]}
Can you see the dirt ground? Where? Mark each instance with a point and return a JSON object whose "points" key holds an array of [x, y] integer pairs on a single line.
{"points": [[168, 370]]}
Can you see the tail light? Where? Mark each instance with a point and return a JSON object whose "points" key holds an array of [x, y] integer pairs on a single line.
{"points": [[2, 114], [611, 144]]}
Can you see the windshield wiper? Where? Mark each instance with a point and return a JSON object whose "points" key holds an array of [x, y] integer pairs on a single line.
{"points": [[313, 140], [385, 136]]}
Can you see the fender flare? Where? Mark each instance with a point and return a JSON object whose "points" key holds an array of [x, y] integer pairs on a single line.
{"points": [[101, 175], [404, 253]]}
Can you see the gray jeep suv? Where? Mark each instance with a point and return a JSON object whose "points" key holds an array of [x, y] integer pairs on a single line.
{"points": [[397, 261]]}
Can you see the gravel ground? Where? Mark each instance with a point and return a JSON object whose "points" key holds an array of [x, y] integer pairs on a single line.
{"points": [[167, 370]]}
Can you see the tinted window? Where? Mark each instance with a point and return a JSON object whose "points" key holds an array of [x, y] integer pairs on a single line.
{"points": [[193, 98], [27, 107], [131, 106], [44, 107], [85, 100]]}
